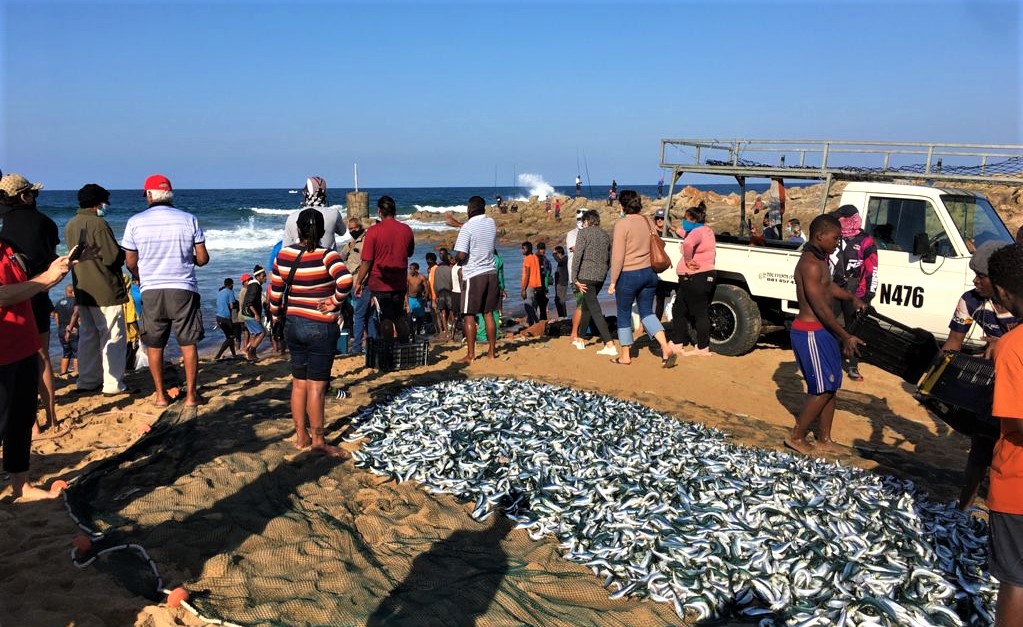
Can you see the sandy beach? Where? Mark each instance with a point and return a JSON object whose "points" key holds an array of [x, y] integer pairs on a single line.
{"points": [[234, 453]]}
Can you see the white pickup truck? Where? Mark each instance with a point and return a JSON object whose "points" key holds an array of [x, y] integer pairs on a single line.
{"points": [[923, 267]]}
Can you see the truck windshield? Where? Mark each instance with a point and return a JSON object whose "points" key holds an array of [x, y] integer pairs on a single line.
{"points": [[976, 220]]}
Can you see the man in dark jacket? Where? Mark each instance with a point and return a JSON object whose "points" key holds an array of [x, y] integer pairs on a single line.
{"points": [[34, 235], [100, 295], [855, 271]]}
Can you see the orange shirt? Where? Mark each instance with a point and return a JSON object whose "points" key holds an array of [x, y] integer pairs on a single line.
{"points": [[1006, 491], [532, 263]]}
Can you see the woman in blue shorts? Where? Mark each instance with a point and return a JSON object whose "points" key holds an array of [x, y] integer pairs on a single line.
{"points": [[308, 283]]}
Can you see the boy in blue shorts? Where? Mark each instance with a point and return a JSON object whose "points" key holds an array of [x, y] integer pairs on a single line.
{"points": [[818, 340]]}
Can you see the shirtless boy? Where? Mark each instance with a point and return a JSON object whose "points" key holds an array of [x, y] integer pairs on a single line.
{"points": [[817, 339]]}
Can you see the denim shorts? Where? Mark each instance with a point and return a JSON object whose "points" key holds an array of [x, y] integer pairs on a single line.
{"points": [[312, 345]]}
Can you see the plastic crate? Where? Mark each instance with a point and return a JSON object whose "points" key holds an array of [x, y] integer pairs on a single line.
{"points": [[892, 346], [384, 355]]}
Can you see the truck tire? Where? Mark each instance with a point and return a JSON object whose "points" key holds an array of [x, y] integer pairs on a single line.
{"points": [[734, 321]]}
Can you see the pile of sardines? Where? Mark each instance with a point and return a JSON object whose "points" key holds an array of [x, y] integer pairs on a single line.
{"points": [[669, 510]]}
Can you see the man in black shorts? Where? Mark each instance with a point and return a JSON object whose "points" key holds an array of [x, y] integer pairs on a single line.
{"points": [[475, 246]]}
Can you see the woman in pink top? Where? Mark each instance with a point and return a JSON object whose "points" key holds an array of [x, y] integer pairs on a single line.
{"points": [[633, 280], [696, 276]]}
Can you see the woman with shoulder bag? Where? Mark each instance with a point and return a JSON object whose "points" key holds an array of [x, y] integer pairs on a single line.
{"points": [[696, 280], [633, 280], [307, 286]]}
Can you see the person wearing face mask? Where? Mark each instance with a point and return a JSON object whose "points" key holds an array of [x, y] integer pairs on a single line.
{"points": [[34, 235], [570, 240], [100, 294], [696, 281], [795, 233], [351, 255], [854, 270]]}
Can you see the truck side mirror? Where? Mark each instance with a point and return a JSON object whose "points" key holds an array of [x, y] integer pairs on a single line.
{"points": [[922, 248]]}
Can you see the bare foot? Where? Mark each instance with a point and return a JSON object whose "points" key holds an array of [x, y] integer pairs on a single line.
{"points": [[302, 440], [30, 493], [799, 445], [161, 401], [829, 445], [329, 450], [195, 401], [465, 360]]}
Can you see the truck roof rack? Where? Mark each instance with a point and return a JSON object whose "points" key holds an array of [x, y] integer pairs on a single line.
{"points": [[831, 160], [845, 160]]}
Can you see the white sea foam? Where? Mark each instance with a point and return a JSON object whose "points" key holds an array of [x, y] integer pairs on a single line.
{"points": [[249, 236], [432, 209], [246, 237], [537, 186], [272, 211], [419, 225]]}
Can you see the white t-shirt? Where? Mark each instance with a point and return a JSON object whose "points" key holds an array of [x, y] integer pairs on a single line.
{"points": [[570, 246], [477, 238], [332, 225], [165, 239]]}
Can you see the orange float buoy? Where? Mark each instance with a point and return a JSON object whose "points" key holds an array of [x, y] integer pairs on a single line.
{"points": [[58, 485], [176, 596], [82, 543]]}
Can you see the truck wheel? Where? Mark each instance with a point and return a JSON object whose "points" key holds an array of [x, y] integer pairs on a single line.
{"points": [[734, 321]]}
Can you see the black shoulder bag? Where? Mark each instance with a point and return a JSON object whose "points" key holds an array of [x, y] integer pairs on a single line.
{"points": [[277, 329]]}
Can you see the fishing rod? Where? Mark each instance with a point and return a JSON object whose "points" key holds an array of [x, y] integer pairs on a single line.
{"points": [[589, 183]]}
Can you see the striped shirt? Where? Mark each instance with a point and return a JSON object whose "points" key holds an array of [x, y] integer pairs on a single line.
{"points": [[320, 275], [165, 239], [477, 239]]}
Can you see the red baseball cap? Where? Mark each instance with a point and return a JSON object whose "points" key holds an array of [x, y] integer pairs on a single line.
{"points": [[157, 182], [246, 277]]}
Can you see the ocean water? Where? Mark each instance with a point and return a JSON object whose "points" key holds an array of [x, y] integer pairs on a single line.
{"points": [[242, 225]]}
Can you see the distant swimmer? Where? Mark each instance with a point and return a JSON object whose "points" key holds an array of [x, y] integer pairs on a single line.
{"points": [[315, 195]]}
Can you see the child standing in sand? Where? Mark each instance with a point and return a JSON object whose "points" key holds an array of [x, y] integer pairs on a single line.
{"points": [[817, 339]]}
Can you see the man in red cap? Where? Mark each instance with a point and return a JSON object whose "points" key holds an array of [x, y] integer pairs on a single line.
{"points": [[163, 245]]}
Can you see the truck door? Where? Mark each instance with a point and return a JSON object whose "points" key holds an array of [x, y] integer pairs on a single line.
{"points": [[912, 291]]}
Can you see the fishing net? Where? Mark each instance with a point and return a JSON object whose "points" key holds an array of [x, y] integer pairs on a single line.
{"points": [[223, 504], [1006, 167]]}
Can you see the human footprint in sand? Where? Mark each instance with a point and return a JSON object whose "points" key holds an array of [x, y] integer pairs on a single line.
{"points": [[308, 283], [816, 334]]}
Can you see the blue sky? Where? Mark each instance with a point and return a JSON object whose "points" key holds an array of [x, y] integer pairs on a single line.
{"points": [[264, 94]]}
